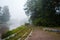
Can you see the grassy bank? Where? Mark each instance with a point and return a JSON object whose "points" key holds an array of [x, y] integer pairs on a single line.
{"points": [[18, 33]]}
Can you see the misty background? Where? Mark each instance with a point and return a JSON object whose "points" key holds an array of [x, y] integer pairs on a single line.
{"points": [[16, 10]]}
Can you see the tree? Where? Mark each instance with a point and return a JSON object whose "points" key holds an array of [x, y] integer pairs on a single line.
{"points": [[33, 7], [4, 18], [6, 15], [0, 14], [43, 12]]}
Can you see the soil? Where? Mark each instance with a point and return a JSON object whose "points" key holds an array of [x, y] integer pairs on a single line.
{"points": [[42, 35]]}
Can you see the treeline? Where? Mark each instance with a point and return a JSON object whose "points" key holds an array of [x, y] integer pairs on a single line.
{"points": [[43, 12]]}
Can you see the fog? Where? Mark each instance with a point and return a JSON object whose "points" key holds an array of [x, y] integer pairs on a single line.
{"points": [[17, 14]]}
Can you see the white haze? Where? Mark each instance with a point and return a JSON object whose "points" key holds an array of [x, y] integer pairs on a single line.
{"points": [[16, 11]]}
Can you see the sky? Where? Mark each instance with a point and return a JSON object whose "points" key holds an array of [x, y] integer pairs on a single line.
{"points": [[15, 8]]}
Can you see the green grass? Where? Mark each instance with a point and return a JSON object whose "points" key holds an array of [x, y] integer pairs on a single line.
{"points": [[20, 32]]}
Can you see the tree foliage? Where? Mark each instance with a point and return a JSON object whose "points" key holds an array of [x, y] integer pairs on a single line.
{"points": [[4, 14], [43, 12], [4, 18]]}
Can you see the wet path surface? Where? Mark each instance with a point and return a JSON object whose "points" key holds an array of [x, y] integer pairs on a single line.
{"points": [[41, 35]]}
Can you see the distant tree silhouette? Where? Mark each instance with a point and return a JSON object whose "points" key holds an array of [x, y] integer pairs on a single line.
{"points": [[4, 18]]}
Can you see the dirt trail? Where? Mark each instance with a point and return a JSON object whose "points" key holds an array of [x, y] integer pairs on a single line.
{"points": [[41, 35]]}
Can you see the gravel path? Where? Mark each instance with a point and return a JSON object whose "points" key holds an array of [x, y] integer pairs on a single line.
{"points": [[41, 35]]}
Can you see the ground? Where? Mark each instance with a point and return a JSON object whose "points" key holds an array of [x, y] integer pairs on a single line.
{"points": [[38, 34]]}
